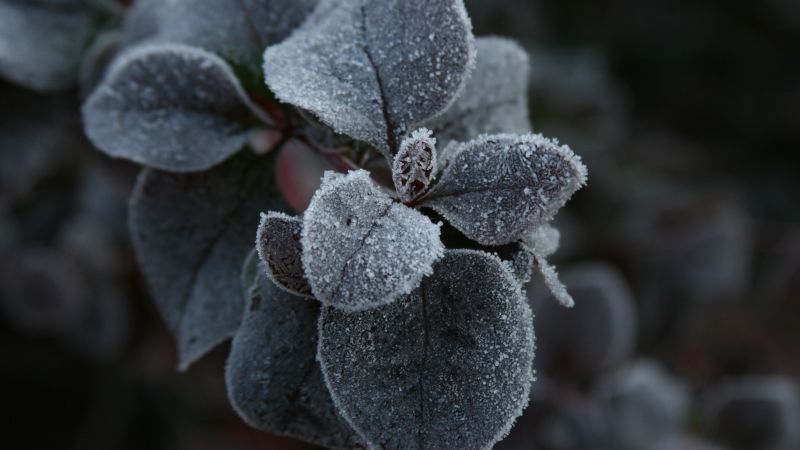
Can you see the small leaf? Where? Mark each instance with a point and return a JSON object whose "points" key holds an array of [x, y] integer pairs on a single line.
{"points": [[414, 165], [191, 233], [542, 242], [278, 244], [361, 249], [274, 381], [518, 258], [498, 187], [373, 69], [170, 107], [41, 43], [494, 100], [447, 367]]}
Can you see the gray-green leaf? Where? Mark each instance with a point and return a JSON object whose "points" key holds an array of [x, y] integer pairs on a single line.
{"points": [[449, 366]]}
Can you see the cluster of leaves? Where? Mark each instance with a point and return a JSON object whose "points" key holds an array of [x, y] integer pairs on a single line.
{"points": [[367, 321]]}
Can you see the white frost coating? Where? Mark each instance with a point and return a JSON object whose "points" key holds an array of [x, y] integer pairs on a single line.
{"points": [[494, 100], [457, 357], [278, 244], [361, 249], [414, 165], [41, 45], [498, 187], [542, 242], [372, 69], [170, 107]]}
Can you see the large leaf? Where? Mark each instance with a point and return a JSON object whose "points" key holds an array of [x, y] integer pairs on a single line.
{"points": [[274, 381], [447, 367], [498, 187], [361, 249], [494, 100], [278, 244], [191, 233], [41, 42], [170, 107], [373, 69]]}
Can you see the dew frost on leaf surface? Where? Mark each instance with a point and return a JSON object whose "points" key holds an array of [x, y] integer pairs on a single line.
{"points": [[360, 248], [273, 379], [171, 107], [414, 165], [278, 244], [191, 233], [41, 42], [495, 98], [498, 187], [448, 367], [372, 69]]}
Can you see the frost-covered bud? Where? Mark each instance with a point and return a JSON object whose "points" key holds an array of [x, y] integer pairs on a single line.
{"points": [[414, 165]]}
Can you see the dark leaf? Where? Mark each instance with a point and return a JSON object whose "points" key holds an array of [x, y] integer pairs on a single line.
{"points": [[278, 244], [414, 165]]}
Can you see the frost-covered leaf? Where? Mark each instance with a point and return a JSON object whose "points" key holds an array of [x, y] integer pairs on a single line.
{"points": [[274, 381], [41, 42], [518, 258], [373, 69], [448, 367], [498, 187], [191, 233], [414, 165], [361, 249], [542, 242], [494, 100], [278, 244], [171, 107]]}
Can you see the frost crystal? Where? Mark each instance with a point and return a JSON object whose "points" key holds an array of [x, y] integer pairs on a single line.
{"points": [[274, 381], [191, 233], [449, 366], [372, 69], [361, 249], [494, 99], [169, 107], [498, 187], [414, 165], [278, 244]]}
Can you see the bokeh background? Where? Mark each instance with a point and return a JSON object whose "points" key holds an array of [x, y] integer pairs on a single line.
{"points": [[683, 253]]}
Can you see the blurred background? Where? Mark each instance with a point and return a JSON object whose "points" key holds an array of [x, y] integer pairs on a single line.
{"points": [[683, 253]]}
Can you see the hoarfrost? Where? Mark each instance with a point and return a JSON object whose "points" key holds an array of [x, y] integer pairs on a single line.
{"points": [[414, 165], [542, 242], [278, 244], [361, 249], [170, 107], [449, 366], [273, 379], [498, 187], [191, 233], [373, 69]]}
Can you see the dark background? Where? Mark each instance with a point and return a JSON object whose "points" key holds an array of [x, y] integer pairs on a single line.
{"points": [[687, 114]]}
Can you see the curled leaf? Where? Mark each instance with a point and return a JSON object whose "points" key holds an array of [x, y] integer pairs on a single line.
{"points": [[414, 165], [278, 244], [373, 69], [498, 187], [273, 379], [361, 249], [170, 107], [191, 233], [447, 367], [494, 100]]}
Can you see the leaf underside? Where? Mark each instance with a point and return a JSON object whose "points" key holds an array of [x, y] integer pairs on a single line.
{"points": [[450, 366], [373, 69], [278, 243], [191, 233]]}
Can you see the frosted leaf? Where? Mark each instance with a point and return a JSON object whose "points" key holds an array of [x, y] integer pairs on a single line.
{"points": [[273, 379], [373, 69], [414, 165], [171, 107], [447, 367], [361, 249], [41, 43], [191, 233], [238, 31], [278, 244], [542, 242], [494, 100], [498, 187], [518, 259]]}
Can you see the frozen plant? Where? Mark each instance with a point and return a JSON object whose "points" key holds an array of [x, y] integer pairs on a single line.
{"points": [[391, 312]]}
